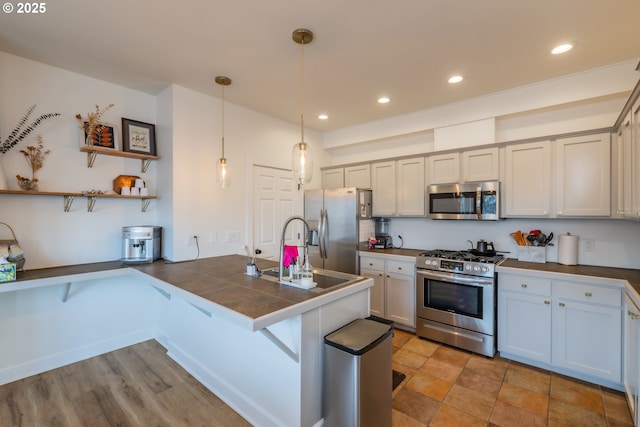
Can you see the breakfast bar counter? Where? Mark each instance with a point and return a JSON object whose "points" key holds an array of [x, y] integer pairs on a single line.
{"points": [[255, 343]]}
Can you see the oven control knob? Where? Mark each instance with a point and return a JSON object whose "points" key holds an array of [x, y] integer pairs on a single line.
{"points": [[476, 268], [485, 269]]}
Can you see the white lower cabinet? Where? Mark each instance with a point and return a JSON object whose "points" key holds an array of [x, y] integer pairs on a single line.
{"points": [[632, 356], [524, 317], [393, 295], [570, 327]]}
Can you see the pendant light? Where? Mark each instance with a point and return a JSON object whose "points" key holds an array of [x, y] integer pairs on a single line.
{"points": [[302, 155], [222, 170]]}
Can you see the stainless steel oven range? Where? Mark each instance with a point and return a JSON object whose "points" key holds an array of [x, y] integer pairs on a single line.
{"points": [[456, 298]]}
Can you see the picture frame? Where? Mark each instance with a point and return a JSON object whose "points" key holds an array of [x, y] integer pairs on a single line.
{"points": [[138, 137], [106, 136]]}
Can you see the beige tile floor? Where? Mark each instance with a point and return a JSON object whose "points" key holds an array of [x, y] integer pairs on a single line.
{"points": [[450, 387]]}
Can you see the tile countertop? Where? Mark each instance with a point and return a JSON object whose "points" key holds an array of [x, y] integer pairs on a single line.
{"points": [[254, 302], [632, 276], [364, 250]]}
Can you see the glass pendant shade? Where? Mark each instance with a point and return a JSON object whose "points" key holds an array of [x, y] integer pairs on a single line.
{"points": [[223, 173], [302, 162]]}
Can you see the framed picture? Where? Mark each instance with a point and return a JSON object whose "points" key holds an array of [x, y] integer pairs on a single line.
{"points": [[138, 137], [103, 135]]}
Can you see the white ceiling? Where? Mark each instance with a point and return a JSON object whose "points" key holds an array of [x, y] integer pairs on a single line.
{"points": [[404, 49]]}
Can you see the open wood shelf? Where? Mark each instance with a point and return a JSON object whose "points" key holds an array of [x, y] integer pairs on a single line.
{"points": [[92, 152], [91, 198]]}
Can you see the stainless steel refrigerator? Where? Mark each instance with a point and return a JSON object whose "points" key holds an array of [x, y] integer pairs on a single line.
{"points": [[334, 217]]}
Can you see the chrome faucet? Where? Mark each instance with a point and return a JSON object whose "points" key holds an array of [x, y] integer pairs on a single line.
{"points": [[284, 230]]}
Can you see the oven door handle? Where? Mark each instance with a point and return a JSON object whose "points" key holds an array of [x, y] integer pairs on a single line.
{"points": [[455, 278]]}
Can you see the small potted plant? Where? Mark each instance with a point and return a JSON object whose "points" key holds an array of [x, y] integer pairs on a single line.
{"points": [[34, 155]]}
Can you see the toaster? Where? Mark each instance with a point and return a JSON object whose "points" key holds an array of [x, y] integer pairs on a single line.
{"points": [[383, 242]]}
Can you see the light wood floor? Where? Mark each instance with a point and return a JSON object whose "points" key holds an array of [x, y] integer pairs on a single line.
{"points": [[134, 386]]}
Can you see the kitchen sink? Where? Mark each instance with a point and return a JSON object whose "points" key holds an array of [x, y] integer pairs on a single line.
{"points": [[325, 279]]}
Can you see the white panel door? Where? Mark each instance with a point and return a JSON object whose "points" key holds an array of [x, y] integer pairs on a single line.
{"points": [[528, 179], [583, 175], [276, 198]]}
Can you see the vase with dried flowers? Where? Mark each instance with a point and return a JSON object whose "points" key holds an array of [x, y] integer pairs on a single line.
{"points": [[93, 129], [19, 133], [34, 155]]}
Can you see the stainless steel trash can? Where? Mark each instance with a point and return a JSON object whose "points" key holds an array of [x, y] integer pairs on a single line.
{"points": [[357, 383]]}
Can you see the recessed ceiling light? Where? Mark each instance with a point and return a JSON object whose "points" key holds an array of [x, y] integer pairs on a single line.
{"points": [[383, 100], [455, 79], [323, 117], [562, 48]]}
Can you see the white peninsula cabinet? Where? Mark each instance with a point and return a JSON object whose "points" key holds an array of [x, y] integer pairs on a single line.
{"points": [[393, 295], [570, 327], [467, 166], [398, 187]]}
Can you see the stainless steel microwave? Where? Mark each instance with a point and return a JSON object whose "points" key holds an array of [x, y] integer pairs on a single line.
{"points": [[479, 201]]}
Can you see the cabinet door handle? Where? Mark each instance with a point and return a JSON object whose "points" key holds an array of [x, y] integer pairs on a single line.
{"points": [[380, 274], [388, 275], [547, 301], [371, 264], [524, 285], [587, 294], [561, 304], [399, 268]]}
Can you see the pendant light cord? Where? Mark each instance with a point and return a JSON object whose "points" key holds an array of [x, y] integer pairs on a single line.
{"points": [[302, 93], [223, 121]]}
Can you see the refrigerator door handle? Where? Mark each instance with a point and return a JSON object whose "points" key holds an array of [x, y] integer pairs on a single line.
{"points": [[325, 232], [321, 234]]}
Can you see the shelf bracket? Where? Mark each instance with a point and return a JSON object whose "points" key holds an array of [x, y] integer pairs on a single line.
{"points": [[67, 289], [91, 201], [68, 201], [144, 165], [200, 309], [145, 204], [282, 346], [91, 158], [164, 293]]}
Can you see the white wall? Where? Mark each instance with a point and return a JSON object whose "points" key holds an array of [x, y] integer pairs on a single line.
{"points": [[47, 234], [188, 143], [617, 242]]}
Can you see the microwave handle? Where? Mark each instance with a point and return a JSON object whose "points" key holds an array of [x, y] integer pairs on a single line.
{"points": [[479, 202]]}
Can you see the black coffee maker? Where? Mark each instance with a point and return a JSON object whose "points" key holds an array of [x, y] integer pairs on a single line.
{"points": [[383, 237]]}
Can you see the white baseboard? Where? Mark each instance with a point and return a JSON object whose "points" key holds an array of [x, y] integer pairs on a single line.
{"points": [[53, 361]]}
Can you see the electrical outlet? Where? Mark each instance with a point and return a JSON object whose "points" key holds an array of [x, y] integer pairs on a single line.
{"points": [[233, 236], [191, 239], [589, 245]]}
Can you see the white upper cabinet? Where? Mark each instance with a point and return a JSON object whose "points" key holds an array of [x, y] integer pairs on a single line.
{"points": [[624, 175], [410, 189], [444, 168], [528, 179], [333, 178], [480, 165], [383, 184], [357, 176], [635, 153], [398, 187], [583, 175], [467, 166]]}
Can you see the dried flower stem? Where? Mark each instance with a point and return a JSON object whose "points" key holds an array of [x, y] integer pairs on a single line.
{"points": [[91, 124], [20, 131], [35, 156]]}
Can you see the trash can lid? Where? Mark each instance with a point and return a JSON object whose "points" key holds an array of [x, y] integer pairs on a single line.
{"points": [[359, 336]]}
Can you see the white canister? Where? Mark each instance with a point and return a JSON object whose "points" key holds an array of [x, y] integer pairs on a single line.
{"points": [[568, 249]]}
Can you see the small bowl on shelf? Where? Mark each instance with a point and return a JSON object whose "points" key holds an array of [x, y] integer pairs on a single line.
{"points": [[27, 184]]}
